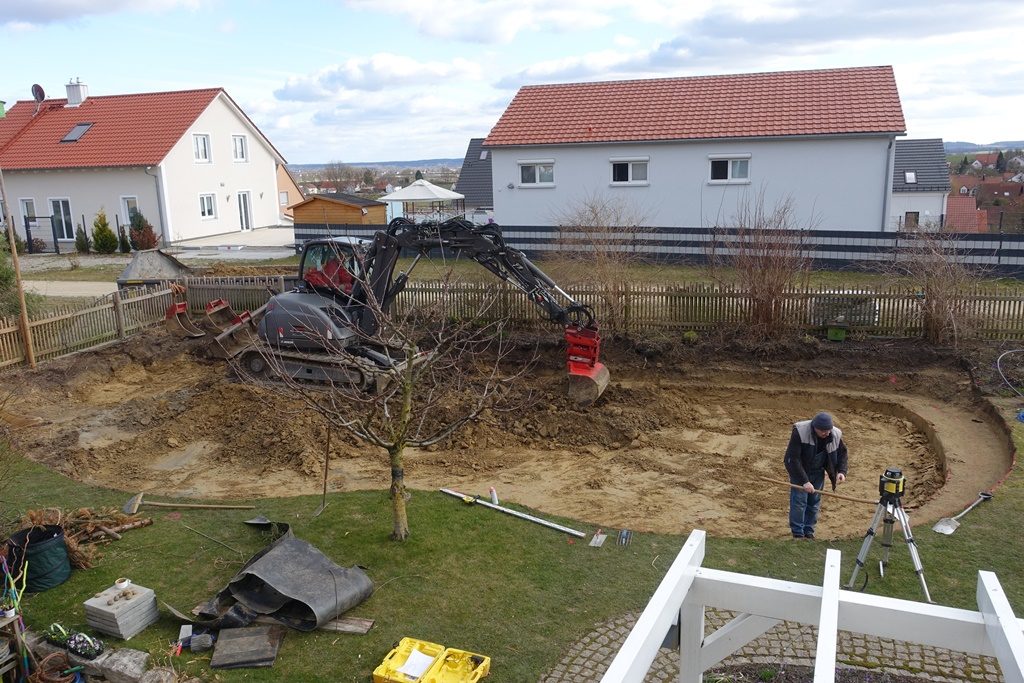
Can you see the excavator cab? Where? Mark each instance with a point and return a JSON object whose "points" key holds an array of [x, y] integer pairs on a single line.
{"points": [[330, 266]]}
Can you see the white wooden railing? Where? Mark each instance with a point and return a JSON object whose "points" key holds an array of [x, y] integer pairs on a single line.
{"points": [[761, 603]]}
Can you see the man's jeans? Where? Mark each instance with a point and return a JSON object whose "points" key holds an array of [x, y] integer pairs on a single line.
{"points": [[803, 506]]}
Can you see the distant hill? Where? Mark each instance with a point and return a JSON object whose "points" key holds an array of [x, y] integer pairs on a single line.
{"points": [[380, 165], [957, 147]]}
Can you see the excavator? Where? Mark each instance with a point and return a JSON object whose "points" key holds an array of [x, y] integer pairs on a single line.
{"points": [[327, 328]]}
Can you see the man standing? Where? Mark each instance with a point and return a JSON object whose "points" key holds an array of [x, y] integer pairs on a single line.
{"points": [[815, 448]]}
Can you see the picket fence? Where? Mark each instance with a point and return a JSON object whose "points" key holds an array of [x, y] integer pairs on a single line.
{"points": [[886, 311], [66, 329]]}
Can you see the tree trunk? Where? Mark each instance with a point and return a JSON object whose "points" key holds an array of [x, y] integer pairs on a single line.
{"points": [[400, 518]]}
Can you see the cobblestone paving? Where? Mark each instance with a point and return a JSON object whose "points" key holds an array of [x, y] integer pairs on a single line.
{"points": [[786, 643]]}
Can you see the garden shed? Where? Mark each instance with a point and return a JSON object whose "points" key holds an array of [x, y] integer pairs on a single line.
{"points": [[340, 209]]}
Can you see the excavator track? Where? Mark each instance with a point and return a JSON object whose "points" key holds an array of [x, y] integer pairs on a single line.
{"points": [[275, 366]]}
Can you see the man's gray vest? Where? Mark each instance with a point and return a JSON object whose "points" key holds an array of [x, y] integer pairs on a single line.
{"points": [[808, 437]]}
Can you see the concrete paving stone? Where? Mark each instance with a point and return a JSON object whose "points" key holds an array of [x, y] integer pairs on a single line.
{"points": [[160, 674], [125, 666]]}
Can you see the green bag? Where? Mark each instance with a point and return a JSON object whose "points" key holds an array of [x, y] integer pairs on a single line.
{"points": [[47, 555]]}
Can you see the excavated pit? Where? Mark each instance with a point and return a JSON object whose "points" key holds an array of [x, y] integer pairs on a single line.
{"points": [[664, 451]]}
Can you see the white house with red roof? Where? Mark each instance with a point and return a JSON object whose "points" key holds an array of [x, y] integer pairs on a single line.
{"points": [[191, 161], [685, 152]]}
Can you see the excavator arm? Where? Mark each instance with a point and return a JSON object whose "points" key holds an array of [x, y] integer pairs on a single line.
{"points": [[486, 245]]}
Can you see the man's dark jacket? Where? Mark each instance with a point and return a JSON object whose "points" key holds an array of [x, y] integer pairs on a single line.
{"points": [[804, 444]]}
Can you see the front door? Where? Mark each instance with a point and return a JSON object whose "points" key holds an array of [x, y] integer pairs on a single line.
{"points": [[244, 211], [63, 223]]}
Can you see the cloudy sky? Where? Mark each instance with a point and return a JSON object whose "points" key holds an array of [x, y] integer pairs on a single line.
{"points": [[376, 80]]}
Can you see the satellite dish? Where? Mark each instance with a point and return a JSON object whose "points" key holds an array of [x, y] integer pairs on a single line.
{"points": [[37, 93]]}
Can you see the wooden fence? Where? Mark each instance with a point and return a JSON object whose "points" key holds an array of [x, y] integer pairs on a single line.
{"points": [[67, 330], [894, 311]]}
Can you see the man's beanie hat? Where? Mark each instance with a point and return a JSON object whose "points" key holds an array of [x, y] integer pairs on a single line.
{"points": [[822, 421]]}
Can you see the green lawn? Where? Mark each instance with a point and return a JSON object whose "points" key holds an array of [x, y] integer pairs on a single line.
{"points": [[472, 578], [106, 273]]}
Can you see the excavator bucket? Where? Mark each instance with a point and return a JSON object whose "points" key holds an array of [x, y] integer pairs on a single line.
{"points": [[177, 321], [588, 378], [219, 316], [239, 335]]}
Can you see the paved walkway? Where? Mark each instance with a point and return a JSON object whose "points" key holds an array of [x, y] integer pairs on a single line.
{"points": [[786, 643], [69, 288]]}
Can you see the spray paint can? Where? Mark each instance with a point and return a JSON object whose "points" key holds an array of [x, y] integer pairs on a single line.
{"points": [[494, 496]]}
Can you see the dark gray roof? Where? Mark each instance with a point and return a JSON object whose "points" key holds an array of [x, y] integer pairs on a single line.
{"points": [[475, 177], [350, 199], [927, 159]]}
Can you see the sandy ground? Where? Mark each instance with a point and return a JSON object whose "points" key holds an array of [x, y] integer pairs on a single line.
{"points": [[664, 450]]}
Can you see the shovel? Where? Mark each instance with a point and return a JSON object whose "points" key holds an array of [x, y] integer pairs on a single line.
{"points": [[948, 525]]}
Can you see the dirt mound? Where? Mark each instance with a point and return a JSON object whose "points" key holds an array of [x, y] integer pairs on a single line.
{"points": [[665, 449]]}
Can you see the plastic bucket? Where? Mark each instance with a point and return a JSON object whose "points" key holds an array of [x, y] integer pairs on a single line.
{"points": [[47, 555]]}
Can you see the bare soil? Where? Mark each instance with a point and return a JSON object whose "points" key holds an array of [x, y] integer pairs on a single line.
{"points": [[678, 441]]}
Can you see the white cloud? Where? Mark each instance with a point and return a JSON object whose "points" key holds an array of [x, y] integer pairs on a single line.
{"points": [[53, 11], [496, 21], [227, 26], [383, 70]]}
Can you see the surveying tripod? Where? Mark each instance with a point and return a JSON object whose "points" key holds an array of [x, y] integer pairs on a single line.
{"points": [[891, 486]]}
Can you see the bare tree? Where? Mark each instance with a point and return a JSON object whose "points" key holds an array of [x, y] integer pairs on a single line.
{"points": [[599, 238], [928, 262], [444, 369], [337, 173], [761, 252]]}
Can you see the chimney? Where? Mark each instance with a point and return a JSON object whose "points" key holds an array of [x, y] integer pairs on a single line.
{"points": [[3, 112], [77, 93]]}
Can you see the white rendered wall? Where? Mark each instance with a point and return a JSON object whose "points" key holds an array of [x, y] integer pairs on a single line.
{"points": [[87, 190], [930, 206], [223, 177], [836, 183]]}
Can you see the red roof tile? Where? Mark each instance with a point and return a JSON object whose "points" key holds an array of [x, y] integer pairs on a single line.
{"points": [[962, 214], [823, 102], [127, 130]]}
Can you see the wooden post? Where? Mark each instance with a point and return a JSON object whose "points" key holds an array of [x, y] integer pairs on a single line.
{"points": [[26, 331], [118, 313]]}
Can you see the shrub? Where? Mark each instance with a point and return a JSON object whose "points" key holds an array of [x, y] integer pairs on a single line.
{"points": [[141, 232], [82, 242], [18, 242], [38, 245], [103, 238], [123, 245]]}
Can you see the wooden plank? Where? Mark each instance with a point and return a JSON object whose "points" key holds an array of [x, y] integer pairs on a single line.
{"points": [[828, 621]]}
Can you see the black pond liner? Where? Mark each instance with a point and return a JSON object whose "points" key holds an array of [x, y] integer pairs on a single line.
{"points": [[47, 555]]}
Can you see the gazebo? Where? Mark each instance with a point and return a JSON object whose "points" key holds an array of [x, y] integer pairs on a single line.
{"points": [[424, 201]]}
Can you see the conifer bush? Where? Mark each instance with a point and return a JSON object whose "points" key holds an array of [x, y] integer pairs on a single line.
{"points": [[103, 238], [141, 233], [83, 244]]}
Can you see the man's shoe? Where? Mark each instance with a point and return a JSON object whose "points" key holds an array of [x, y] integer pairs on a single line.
{"points": [[809, 537], [797, 537]]}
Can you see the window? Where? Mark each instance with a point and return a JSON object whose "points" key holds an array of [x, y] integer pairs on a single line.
{"points": [[910, 177], [629, 171], [241, 147], [75, 133], [483, 155], [201, 148], [129, 204], [28, 211], [911, 219], [731, 168], [537, 173], [62, 221], [282, 198], [208, 205]]}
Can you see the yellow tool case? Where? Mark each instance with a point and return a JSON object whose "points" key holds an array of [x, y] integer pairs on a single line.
{"points": [[388, 671], [448, 666], [457, 666]]}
